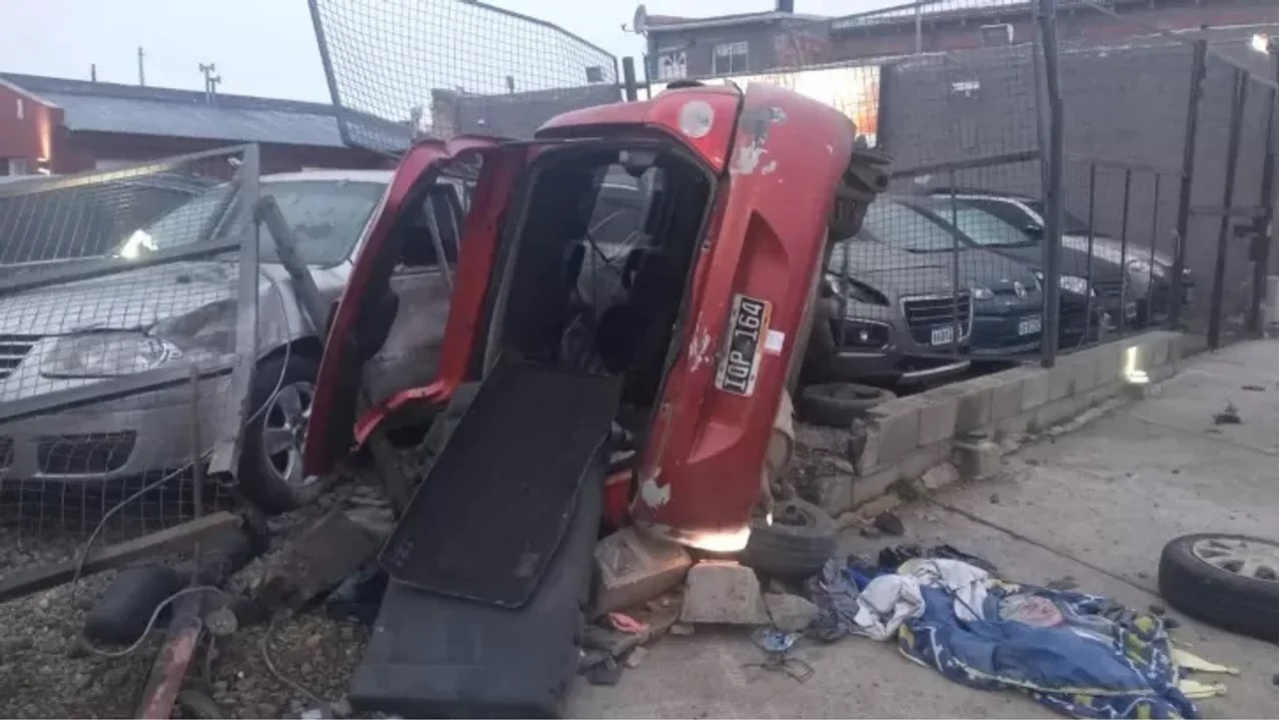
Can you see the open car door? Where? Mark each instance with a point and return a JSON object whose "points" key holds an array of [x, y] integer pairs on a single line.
{"points": [[364, 317]]}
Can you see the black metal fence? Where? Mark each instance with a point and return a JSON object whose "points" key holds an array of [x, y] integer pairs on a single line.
{"points": [[128, 309]]}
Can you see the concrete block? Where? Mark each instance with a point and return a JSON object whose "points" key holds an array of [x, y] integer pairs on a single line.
{"points": [[939, 476], [1156, 347], [833, 493], [315, 561], [1084, 373], [873, 485], [1006, 397], [977, 459], [898, 423], [634, 568], [722, 591], [1110, 362], [938, 411], [1061, 380], [868, 457], [973, 407], [1013, 426], [1059, 411], [790, 613], [1035, 390]]}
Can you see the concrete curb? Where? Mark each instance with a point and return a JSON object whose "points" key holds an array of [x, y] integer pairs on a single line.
{"points": [[923, 442]]}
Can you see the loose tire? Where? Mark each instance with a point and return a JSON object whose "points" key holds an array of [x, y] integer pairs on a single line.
{"points": [[838, 404], [262, 479], [796, 545], [1225, 580]]}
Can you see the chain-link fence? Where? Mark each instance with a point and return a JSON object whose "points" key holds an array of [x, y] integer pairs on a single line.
{"points": [[441, 68], [127, 300]]}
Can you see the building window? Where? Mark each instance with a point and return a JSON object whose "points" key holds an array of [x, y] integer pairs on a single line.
{"points": [[22, 109], [729, 58], [673, 64]]}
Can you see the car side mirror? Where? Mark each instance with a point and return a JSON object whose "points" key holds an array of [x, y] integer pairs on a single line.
{"points": [[1034, 230]]}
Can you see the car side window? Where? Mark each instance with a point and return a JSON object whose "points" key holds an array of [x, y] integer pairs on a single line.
{"points": [[436, 228]]}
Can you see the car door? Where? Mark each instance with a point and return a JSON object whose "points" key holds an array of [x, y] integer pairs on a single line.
{"points": [[367, 314]]}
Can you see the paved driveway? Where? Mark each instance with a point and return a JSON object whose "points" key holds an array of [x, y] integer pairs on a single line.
{"points": [[1096, 505]]}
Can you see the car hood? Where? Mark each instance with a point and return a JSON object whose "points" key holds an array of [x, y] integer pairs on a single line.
{"points": [[133, 300], [896, 272], [1072, 261], [1109, 249]]}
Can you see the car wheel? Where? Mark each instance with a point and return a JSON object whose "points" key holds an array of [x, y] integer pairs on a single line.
{"points": [[796, 544], [838, 404], [271, 474], [1226, 580]]}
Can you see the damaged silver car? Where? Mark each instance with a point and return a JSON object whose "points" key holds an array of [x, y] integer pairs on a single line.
{"points": [[79, 333]]}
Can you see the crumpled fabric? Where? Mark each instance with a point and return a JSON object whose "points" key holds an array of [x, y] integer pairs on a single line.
{"points": [[890, 600], [1098, 663], [966, 583], [835, 592]]}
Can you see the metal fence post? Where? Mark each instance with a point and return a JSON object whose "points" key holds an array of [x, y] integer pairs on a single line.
{"points": [[1124, 247], [1198, 55], [1053, 193], [1261, 254], [629, 88], [1239, 95]]}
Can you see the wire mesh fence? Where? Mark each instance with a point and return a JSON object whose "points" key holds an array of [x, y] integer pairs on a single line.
{"points": [[123, 312], [441, 68]]}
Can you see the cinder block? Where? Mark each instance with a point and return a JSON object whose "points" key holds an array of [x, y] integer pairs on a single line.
{"points": [[977, 459], [1110, 362], [869, 458], [1157, 347], [722, 591], [1006, 397], [634, 568], [873, 486], [834, 493], [1060, 410], [898, 423], [1084, 373], [1035, 390], [973, 407], [938, 411]]}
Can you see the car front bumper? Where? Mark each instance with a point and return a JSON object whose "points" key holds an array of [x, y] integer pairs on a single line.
{"points": [[125, 437]]}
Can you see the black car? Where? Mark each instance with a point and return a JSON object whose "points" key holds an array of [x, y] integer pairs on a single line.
{"points": [[1005, 294]]}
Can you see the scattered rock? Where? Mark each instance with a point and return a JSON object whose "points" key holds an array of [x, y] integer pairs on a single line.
{"points": [[635, 657], [994, 499], [78, 647], [341, 707], [1143, 575], [889, 524], [869, 532], [1175, 471], [634, 568], [790, 613], [221, 622], [683, 629], [81, 680], [1253, 388], [1066, 582]]}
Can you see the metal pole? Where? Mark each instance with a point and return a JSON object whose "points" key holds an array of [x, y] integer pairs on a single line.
{"points": [[629, 79], [1053, 193], [919, 29], [142, 75], [1240, 93], [1088, 261], [1042, 145], [1199, 52], [955, 267], [1124, 247], [1261, 254], [1151, 259]]}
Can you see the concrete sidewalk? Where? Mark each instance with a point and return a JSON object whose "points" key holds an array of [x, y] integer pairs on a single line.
{"points": [[1095, 506]]}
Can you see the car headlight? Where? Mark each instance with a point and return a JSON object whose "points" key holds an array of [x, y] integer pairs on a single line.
{"points": [[100, 355], [981, 293]]}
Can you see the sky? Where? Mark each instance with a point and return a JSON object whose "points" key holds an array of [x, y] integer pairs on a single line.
{"points": [[268, 47]]}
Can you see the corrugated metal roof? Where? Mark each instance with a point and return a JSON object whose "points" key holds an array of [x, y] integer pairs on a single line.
{"points": [[135, 110]]}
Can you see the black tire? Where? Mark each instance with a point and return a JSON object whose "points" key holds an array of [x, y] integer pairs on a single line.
{"points": [[838, 404], [258, 484], [1220, 597], [801, 539], [122, 613]]}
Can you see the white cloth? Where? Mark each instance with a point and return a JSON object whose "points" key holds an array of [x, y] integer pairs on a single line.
{"points": [[890, 600]]}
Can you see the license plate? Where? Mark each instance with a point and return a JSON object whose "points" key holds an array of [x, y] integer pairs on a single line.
{"points": [[1027, 326], [942, 335], [1130, 310], [748, 321]]}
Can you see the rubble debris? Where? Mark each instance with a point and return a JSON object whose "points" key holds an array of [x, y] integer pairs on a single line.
{"points": [[1066, 582], [790, 613], [994, 499], [722, 591], [1229, 416], [889, 524], [195, 703], [1253, 388], [315, 562], [774, 640], [221, 622], [633, 568], [635, 657]]}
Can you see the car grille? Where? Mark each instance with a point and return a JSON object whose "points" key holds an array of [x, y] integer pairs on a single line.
{"points": [[13, 350], [85, 454], [926, 313]]}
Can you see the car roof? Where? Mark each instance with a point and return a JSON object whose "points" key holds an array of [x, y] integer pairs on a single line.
{"points": [[382, 177]]}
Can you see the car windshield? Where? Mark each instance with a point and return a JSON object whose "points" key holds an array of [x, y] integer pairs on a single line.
{"points": [[980, 226], [906, 228], [327, 217]]}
